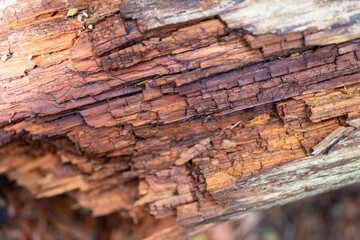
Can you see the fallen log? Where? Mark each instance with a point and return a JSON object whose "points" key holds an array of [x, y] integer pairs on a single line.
{"points": [[189, 110]]}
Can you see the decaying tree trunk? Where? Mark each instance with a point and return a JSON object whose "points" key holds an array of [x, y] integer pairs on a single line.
{"points": [[197, 111]]}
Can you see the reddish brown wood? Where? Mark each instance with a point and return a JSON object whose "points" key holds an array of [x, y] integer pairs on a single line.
{"points": [[164, 120]]}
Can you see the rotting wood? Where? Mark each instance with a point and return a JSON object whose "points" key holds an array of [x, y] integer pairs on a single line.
{"points": [[303, 177], [185, 115]]}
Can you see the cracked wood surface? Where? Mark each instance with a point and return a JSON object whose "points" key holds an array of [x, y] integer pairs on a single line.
{"points": [[201, 113]]}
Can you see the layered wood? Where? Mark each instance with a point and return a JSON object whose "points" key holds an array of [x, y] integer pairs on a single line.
{"points": [[199, 111]]}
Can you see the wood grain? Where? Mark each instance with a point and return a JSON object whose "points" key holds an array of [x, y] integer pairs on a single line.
{"points": [[198, 111]]}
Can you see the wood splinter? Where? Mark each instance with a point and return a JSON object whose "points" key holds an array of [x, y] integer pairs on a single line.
{"points": [[194, 151], [337, 135]]}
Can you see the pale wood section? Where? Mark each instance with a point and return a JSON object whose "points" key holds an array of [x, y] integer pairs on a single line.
{"points": [[156, 13], [336, 35], [336, 20], [283, 16]]}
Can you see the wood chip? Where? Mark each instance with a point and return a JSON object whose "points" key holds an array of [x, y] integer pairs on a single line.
{"points": [[226, 143], [4, 58], [79, 18], [72, 12], [85, 14]]}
